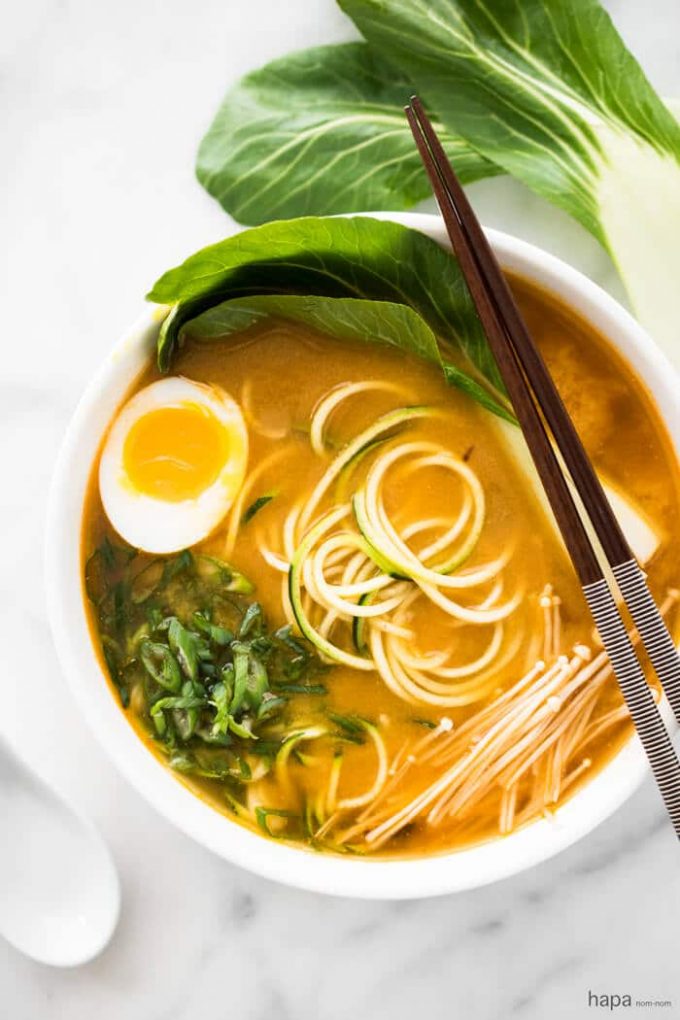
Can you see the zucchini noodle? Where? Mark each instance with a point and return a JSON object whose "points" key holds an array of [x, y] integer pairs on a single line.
{"points": [[385, 424], [355, 574], [332, 400], [361, 580]]}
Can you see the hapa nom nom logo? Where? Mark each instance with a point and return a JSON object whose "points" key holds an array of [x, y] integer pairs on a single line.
{"points": [[608, 1001]]}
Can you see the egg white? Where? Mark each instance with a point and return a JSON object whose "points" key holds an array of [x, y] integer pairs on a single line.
{"points": [[157, 525]]}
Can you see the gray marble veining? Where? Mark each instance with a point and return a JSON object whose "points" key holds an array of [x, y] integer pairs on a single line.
{"points": [[102, 107]]}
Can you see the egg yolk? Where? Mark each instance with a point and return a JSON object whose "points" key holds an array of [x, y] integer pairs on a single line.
{"points": [[175, 453]]}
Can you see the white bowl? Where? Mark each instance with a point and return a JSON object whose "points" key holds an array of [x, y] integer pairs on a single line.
{"points": [[385, 879]]}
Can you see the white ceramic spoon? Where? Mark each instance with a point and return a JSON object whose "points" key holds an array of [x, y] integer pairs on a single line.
{"points": [[59, 889]]}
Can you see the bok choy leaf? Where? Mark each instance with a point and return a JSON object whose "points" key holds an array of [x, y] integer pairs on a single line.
{"points": [[548, 91], [321, 131], [406, 291], [381, 322], [357, 257]]}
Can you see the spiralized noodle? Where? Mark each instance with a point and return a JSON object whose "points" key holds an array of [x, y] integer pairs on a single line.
{"points": [[358, 578], [359, 571], [331, 402], [382, 575]]}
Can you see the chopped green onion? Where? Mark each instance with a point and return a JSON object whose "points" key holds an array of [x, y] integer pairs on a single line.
{"points": [[256, 506]]}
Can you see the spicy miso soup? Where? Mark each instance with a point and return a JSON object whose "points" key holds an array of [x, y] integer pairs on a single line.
{"points": [[329, 597]]}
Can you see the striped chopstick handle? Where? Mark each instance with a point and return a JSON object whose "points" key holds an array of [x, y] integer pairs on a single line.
{"points": [[638, 696], [653, 632]]}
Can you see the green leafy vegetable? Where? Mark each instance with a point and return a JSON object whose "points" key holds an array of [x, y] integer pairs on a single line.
{"points": [[252, 619], [262, 816], [161, 665], [346, 318], [381, 322], [255, 507], [186, 646], [543, 89], [352, 727], [321, 130], [390, 284], [196, 658], [547, 90], [356, 257], [220, 635], [217, 572]]}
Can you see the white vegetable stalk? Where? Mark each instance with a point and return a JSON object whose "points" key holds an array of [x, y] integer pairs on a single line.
{"points": [[640, 533], [639, 210], [547, 90]]}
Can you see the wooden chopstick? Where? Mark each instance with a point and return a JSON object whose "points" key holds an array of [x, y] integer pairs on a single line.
{"points": [[509, 341], [630, 579]]}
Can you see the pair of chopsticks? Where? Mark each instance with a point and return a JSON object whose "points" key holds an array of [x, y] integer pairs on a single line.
{"points": [[535, 399]]}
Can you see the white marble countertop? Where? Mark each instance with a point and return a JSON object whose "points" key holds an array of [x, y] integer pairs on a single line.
{"points": [[103, 104]]}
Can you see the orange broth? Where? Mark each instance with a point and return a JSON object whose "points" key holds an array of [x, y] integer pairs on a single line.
{"points": [[286, 370]]}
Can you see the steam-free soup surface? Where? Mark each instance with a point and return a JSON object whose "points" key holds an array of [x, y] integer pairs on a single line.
{"points": [[418, 753]]}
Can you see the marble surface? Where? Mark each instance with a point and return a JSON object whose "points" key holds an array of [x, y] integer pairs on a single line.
{"points": [[103, 104]]}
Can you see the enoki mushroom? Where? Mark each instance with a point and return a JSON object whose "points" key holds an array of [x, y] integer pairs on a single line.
{"points": [[519, 755]]}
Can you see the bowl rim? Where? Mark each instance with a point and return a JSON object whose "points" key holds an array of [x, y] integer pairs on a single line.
{"points": [[295, 866]]}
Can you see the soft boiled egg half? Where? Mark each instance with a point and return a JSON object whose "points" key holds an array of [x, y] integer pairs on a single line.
{"points": [[173, 463]]}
